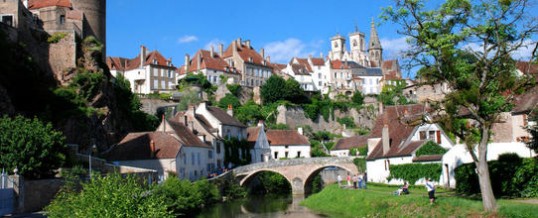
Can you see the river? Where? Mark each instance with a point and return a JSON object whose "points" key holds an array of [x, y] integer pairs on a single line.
{"points": [[269, 206]]}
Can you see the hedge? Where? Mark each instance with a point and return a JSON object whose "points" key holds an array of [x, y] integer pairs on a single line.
{"points": [[511, 176], [413, 172]]}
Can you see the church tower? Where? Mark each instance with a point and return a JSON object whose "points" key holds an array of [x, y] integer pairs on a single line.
{"points": [[357, 46], [94, 19], [337, 47], [375, 51]]}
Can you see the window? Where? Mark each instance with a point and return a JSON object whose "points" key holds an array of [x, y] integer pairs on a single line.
{"points": [[155, 84], [163, 85], [319, 75], [62, 19], [335, 45], [299, 154], [286, 154], [7, 19], [319, 83], [276, 154], [261, 158], [431, 135], [210, 154], [287, 146], [422, 135], [218, 147], [192, 158], [184, 159], [199, 160]]}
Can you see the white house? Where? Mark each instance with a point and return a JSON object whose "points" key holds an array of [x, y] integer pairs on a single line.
{"points": [[171, 149], [282, 144], [395, 139], [301, 74], [148, 73], [342, 147], [212, 65]]}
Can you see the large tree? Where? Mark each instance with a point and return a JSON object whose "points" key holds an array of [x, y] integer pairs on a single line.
{"points": [[483, 81]]}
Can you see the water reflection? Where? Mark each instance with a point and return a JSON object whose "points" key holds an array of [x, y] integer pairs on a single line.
{"points": [[261, 206]]}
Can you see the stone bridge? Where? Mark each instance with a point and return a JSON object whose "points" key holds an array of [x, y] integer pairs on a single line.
{"points": [[299, 172]]}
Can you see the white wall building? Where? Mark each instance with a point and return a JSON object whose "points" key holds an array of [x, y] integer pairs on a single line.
{"points": [[284, 144]]}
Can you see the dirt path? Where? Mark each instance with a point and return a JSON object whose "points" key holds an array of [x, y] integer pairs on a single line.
{"points": [[528, 201]]}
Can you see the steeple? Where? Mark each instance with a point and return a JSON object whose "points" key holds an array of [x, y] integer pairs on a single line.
{"points": [[374, 46]]}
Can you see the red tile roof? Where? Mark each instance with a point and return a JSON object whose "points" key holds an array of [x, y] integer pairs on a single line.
{"points": [[278, 137], [286, 137], [318, 61], [36, 4], [526, 102], [245, 52], [185, 135], [526, 67], [304, 63], [207, 61], [399, 131], [154, 55], [391, 70], [351, 142], [338, 64], [117, 63], [299, 69], [136, 146], [277, 67]]}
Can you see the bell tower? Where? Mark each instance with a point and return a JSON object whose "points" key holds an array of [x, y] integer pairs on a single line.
{"points": [[375, 51], [338, 47]]}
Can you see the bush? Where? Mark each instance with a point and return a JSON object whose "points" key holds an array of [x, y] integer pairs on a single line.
{"points": [[413, 172], [430, 148], [180, 196], [360, 163], [235, 89], [56, 37], [229, 99], [348, 121], [30, 145], [510, 176], [110, 196]]}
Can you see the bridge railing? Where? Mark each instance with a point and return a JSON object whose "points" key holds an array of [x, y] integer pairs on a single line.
{"points": [[293, 162]]}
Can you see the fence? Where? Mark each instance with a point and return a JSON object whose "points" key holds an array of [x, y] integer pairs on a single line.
{"points": [[7, 194]]}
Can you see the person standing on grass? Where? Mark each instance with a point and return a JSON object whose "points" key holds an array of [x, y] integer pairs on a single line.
{"points": [[431, 190], [348, 180], [364, 180], [359, 178], [339, 179]]}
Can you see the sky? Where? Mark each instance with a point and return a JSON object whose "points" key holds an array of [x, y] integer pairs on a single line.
{"points": [[284, 28]]}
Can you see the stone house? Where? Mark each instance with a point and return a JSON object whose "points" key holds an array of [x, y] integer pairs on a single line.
{"points": [[253, 66], [212, 65], [282, 144], [397, 136], [149, 72], [170, 150], [342, 147]]}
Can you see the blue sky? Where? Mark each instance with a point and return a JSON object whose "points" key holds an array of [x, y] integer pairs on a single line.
{"points": [[285, 28]]}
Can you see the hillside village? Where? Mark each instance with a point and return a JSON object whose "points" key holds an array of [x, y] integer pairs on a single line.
{"points": [[208, 138]]}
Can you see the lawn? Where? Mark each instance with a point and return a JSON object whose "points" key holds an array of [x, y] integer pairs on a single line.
{"points": [[379, 201]]}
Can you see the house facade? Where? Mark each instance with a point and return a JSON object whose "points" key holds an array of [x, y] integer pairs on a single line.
{"points": [[213, 66], [149, 72], [342, 147], [395, 138], [283, 144], [253, 66]]}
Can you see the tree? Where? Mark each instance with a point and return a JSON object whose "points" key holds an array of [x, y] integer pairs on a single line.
{"points": [[33, 147], [482, 82], [229, 99], [293, 92], [273, 89], [357, 98], [110, 196]]}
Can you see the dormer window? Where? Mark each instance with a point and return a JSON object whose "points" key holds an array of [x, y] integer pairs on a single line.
{"points": [[62, 19], [250, 59], [154, 61]]}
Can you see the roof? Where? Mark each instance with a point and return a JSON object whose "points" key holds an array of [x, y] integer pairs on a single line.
{"points": [[246, 53], [526, 67], [426, 158], [399, 131], [304, 63], [277, 67], [526, 102], [207, 61], [318, 61], [36, 4], [391, 70], [338, 64], [148, 60], [299, 69], [185, 135], [224, 117], [286, 137], [136, 146], [117, 63], [351, 142], [277, 137]]}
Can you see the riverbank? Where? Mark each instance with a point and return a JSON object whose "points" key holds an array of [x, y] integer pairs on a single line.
{"points": [[379, 201]]}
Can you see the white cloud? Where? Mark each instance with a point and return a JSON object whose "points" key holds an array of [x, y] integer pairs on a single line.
{"points": [[187, 39], [283, 51], [215, 43], [394, 47], [525, 51]]}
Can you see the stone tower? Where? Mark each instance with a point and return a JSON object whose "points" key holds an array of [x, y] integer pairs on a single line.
{"points": [[357, 46], [338, 47], [374, 48], [95, 18]]}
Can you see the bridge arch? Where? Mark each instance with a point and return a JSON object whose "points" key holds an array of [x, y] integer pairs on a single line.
{"points": [[315, 171], [248, 177]]}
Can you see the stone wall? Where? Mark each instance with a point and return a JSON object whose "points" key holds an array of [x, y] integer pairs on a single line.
{"points": [[39, 193], [62, 57], [151, 106]]}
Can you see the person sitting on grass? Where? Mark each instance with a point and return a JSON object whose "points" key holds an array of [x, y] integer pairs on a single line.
{"points": [[405, 189]]}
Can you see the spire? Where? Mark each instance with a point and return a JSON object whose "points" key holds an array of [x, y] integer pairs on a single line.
{"points": [[374, 38]]}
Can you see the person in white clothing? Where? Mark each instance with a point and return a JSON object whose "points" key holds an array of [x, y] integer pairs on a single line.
{"points": [[431, 190], [339, 179]]}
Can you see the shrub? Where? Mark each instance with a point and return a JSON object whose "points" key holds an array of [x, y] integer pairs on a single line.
{"points": [[360, 163], [430, 148], [180, 195], [235, 89], [413, 172], [56, 37], [348, 121], [510, 176], [229, 99]]}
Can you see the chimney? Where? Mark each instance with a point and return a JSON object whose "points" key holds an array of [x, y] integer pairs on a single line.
{"points": [[262, 53], [230, 110], [247, 42], [152, 149], [199, 61], [268, 59], [300, 130], [221, 50], [386, 139], [142, 55], [187, 60], [212, 53], [260, 123], [239, 42], [169, 62], [234, 45]]}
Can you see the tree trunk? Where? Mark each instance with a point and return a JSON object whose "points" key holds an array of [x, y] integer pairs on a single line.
{"points": [[488, 199]]}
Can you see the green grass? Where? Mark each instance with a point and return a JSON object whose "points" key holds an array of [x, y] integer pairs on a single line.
{"points": [[379, 201]]}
